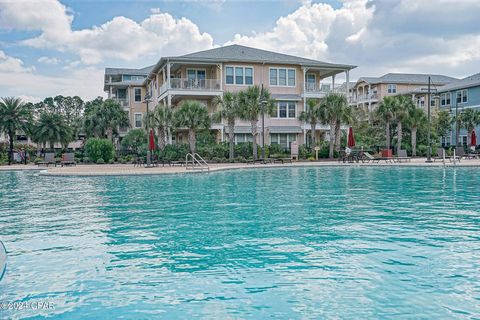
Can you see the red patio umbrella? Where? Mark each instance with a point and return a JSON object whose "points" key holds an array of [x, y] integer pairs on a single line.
{"points": [[473, 140], [351, 139], [151, 141]]}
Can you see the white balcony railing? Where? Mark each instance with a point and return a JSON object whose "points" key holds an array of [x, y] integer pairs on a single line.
{"points": [[365, 97], [192, 85], [311, 87]]}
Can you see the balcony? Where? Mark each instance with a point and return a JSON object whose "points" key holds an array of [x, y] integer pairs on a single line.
{"points": [[123, 103], [316, 90], [372, 97], [201, 86]]}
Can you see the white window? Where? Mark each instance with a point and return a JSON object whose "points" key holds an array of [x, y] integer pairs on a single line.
{"points": [[392, 88], [445, 99], [462, 96], [196, 75], [243, 137], [311, 81], [283, 139], [239, 75], [463, 140], [446, 141], [286, 109], [282, 77], [138, 94], [138, 120]]}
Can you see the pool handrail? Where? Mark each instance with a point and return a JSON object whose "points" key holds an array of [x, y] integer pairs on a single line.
{"points": [[3, 259]]}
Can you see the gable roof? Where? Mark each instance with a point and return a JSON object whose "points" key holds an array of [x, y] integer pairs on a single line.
{"points": [[408, 78], [126, 71], [468, 82]]}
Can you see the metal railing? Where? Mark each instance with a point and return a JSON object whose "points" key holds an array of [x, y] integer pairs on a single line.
{"points": [[365, 97], [195, 162], [191, 84], [312, 87]]}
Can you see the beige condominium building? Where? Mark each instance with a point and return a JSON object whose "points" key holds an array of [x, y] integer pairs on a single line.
{"points": [[369, 91], [204, 75]]}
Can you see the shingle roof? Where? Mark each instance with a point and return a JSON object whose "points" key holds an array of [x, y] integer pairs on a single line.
{"points": [[470, 81], [237, 52], [126, 71], [408, 78]]}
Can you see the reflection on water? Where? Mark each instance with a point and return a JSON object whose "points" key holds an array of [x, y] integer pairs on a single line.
{"points": [[288, 243]]}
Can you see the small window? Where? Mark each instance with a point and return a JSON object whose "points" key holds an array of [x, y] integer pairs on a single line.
{"points": [[273, 77], [229, 72], [392, 88], [462, 96], [282, 77], [291, 110], [291, 77], [248, 76], [286, 110], [282, 110], [138, 120], [138, 94], [238, 75]]}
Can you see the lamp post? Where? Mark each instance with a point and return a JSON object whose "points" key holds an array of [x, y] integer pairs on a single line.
{"points": [[429, 150], [262, 105], [148, 99]]}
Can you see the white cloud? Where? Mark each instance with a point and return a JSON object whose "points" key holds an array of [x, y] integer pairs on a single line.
{"points": [[11, 64], [47, 60], [120, 38]]}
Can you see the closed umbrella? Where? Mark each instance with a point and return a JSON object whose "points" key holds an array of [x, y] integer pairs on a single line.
{"points": [[351, 139], [473, 140], [151, 141]]}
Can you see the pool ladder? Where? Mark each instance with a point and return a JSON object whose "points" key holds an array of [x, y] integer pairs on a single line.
{"points": [[195, 162]]}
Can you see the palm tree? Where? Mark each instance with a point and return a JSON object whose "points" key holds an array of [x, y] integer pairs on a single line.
{"points": [[229, 109], [14, 116], [386, 112], [104, 118], [403, 105], [312, 116], [469, 119], [416, 118], [51, 128], [194, 116], [254, 102], [333, 111], [162, 119]]}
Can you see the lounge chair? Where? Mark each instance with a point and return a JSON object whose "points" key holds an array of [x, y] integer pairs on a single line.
{"points": [[402, 156], [367, 157], [138, 161], [48, 159], [277, 158], [259, 160], [460, 152], [68, 159], [442, 155]]}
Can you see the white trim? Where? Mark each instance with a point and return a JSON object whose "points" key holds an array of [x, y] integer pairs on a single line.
{"points": [[135, 94], [235, 77], [278, 77], [196, 73], [277, 116], [135, 119]]}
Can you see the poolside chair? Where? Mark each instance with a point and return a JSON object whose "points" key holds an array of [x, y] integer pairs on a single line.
{"points": [[367, 157], [402, 156], [68, 159], [442, 155], [48, 159], [460, 152]]}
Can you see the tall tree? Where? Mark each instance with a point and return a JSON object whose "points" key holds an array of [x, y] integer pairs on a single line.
{"points": [[51, 128], [334, 111], [14, 116], [254, 102], [415, 119], [386, 112], [103, 118], [194, 116], [469, 119], [403, 105], [312, 116], [162, 120], [442, 122], [229, 110]]}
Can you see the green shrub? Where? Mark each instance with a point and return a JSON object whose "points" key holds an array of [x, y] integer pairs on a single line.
{"points": [[86, 160], [97, 149], [100, 161], [111, 161], [37, 160]]}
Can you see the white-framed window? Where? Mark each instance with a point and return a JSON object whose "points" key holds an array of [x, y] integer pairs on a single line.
{"points": [[463, 140], [392, 88], [283, 77], [446, 141], [311, 81], [433, 101], [196, 75], [239, 75], [462, 96], [138, 94], [243, 137], [420, 102], [286, 110], [138, 120], [445, 99], [283, 139]]}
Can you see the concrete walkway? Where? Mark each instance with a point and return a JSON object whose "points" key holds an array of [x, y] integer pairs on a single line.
{"points": [[129, 169]]}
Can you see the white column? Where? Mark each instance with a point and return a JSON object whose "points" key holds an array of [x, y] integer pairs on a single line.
{"points": [[333, 83], [221, 83], [110, 91], [304, 79], [168, 75], [347, 79]]}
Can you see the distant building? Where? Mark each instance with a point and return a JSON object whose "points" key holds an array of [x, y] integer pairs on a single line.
{"points": [[369, 91]]}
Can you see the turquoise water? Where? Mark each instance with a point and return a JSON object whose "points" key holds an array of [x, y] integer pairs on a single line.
{"points": [[355, 243]]}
